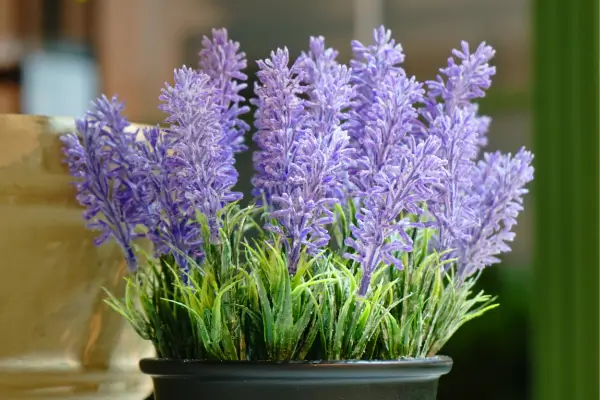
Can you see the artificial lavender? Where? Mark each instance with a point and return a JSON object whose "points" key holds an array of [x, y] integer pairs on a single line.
{"points": [[399, 188], [326, 133], [371, 66], [103, 162], [170, 222], [384, 113], [452, 117], [201, 163], [222, 61], [279, 120], [159, 183], [454, 210], [330, 95], [395, 172], [464, 81], [306, 141], [498, 183]]}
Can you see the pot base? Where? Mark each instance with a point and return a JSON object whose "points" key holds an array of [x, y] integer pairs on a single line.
{"points": [[181, 389], [396, 380]]}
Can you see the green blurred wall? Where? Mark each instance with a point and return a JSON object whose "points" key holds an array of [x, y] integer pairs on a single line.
{"points": [[565, 106]]}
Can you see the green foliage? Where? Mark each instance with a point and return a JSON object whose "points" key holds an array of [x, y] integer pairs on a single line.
{"points": [[241, 303], [435, 304]]}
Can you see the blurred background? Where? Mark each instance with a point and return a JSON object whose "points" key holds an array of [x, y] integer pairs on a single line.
{"points": [[57, 55]]}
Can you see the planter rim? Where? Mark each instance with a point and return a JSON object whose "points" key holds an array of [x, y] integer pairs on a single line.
{"points": [[400, 362], [315, 371]]}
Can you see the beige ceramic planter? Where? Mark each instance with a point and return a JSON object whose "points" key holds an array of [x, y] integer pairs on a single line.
{"points": [[58, 340]]}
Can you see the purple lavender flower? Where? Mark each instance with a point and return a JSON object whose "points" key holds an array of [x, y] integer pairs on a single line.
{"points": [[159, 183], [481, 126], [298, 225], [388, 124], [279, 120], [462, 132], [318, 153], [396, 171], [222, 61], [465, 81], [330, 95], [400, 188], [171, 224], [201, 163], [372, 66], [184, 99], [498, 182], [107, 182], [317, 65], [384, 113], [454, 210]]}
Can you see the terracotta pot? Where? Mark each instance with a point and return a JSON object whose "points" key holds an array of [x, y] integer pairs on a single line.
{"points": [[58, 338]]}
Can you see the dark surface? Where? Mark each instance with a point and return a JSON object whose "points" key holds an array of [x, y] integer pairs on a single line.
{"points": [[491, 354], [397, 380]]}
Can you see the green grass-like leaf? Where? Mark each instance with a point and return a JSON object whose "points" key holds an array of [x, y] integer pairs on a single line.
{"points": [[241, 303]]}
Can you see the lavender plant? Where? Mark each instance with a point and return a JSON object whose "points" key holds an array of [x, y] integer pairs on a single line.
{"points": [[315, 151], [222, 61], [104, 162], [375, 210]]}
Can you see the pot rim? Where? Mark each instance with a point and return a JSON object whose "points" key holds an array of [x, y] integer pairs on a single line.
{"points": [[435, 360], [429, 368]]}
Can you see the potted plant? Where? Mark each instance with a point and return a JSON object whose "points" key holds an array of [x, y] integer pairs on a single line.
{"points": [[373, 214]]}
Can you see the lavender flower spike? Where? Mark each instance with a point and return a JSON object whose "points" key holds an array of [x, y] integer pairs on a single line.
{"points": [[383, 115], [400, 188], [222, 61], [330, 95], [372, 66], [499, 183], [455, 210], [462, 132], [372, 63], [465, 81], [317, 64], [168, 218], [388, 124], [202, 164], [322, 156], [279, 120], [107, 180]]}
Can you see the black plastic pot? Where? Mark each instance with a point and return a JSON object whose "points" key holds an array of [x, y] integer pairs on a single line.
{"points": [[361, 380]]}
